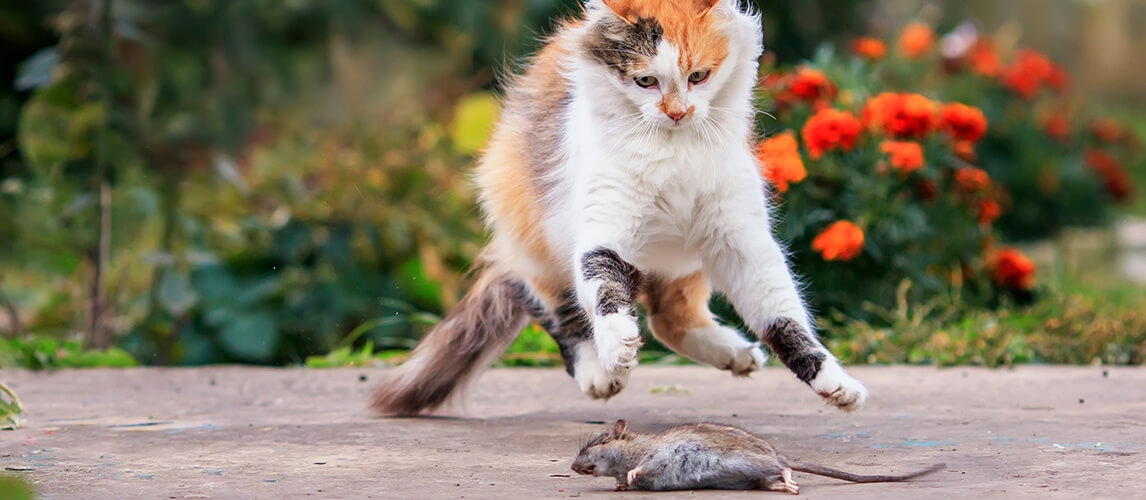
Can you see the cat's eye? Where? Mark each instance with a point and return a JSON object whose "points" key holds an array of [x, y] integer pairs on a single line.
{"points": [[698, 76], [646, 81]]}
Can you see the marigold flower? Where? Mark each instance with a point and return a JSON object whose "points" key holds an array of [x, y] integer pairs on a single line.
{"points": [[1107, 130], [1115, 179], [830, 129], [780, 161], [963, 122], [987, 211], [900, 115], [972, 179], [965, 150], [1057, 126], [915, 40], [1030, 72], [811, 85], [1012, 269], [982, 58], [840, 241], [869, 48], [905, 156]]}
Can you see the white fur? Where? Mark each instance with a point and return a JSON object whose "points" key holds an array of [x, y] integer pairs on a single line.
{"points": [[592, 378], [723, 348], [675, 198]]}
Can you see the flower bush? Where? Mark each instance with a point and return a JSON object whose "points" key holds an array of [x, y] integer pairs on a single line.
{"points": [[911, 166]]}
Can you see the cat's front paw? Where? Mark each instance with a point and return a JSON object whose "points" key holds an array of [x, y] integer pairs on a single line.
{"points": [[592, 378], [618, 338], [838, 388]]}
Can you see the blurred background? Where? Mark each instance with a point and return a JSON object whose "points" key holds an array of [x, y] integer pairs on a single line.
{"points": [[285, 181]]}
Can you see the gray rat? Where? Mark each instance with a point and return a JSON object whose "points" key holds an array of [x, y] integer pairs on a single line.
{"points": [[702, 456]]}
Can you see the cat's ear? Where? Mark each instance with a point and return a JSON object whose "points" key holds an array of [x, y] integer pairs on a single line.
{"points": [[706, 6], [620, 428], [622, 8]]}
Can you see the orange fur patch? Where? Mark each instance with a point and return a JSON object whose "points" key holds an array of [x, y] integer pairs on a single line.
{"points": [[678, 306], [687, 25]]}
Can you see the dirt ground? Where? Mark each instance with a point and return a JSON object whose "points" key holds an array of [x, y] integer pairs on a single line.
{"points": [[236, 432]]}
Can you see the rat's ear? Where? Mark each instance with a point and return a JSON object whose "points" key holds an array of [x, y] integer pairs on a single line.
{"points": [[620, 428], [622, 8]]}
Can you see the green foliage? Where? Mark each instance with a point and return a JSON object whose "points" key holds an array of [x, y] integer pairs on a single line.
{"points": [[15, 488], [49, 353], [11, 410], [347, 356], [533, 347], [287, 181], [1060, 329]]}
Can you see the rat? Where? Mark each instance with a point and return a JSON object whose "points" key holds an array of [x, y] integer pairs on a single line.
{"points": [[702, 456]]}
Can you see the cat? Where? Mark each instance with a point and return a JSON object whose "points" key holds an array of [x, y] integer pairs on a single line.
{"points": [[621, 171]]}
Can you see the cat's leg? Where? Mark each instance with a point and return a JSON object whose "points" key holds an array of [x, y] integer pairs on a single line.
{"points": [[562, 317], [607, 289], [745, 262], [680, 318]]}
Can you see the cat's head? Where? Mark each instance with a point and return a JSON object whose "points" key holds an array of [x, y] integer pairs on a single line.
{"points": [[670, 60]]}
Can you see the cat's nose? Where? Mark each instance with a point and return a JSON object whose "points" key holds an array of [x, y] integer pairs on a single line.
{"points": [[676, 115]]}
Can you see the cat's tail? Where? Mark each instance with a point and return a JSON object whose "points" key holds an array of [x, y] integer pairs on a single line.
{"points": [[457, 349]]}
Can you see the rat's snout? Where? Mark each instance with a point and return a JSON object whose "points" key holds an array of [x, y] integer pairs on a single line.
{"points": [[583, 468]]}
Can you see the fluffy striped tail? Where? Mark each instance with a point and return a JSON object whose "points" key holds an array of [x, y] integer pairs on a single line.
{"points": [[458, 349]]}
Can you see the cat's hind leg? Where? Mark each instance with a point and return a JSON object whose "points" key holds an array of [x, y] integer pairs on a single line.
{"points": [[680, 319]]}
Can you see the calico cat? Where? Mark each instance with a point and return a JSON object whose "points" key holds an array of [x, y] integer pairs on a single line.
{"points": [[622, 172]]}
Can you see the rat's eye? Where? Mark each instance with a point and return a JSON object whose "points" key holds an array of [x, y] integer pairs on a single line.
{"points": [[698, 76], [646, 81]]}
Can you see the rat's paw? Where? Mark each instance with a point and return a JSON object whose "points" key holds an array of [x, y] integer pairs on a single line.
{"points": [[633, 475], [838, 388], [618, 337], [592, 377]]}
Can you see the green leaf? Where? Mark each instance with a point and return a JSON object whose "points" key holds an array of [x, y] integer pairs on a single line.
{"points": [[175, 293], [15, 488], [11, 410], [473, 122], [253, 337]]}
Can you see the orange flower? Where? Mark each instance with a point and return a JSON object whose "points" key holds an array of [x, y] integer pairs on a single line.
{"points": [[905, 156], [830, 129], [1012, 269], [780, 159], [915, 40], [1057, 78], [988, 211], [869, 48], [963, 122], [840, 241], [1030, 72], [1057, 126], [971, 179], [1107, 130], [811, 85], [1114, 177], [900, 115], [965, 150], [983, 59]]}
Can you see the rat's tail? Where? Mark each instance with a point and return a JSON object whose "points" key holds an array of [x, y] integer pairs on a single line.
{"points": [[458, 349], [820, 470]]}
